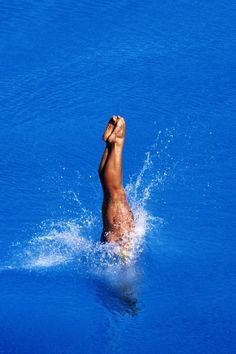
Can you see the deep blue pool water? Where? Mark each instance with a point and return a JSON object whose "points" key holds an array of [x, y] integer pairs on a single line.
{"points": [[169, 69]]}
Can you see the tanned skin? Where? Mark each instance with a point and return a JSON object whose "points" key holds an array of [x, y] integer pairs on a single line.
{"points": [[117, 216]]}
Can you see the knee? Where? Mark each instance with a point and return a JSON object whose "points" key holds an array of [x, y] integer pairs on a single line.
{"points": [[117, 193]]}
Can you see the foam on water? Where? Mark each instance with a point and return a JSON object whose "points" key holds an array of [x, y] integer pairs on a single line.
{"points": [[62, 243]]}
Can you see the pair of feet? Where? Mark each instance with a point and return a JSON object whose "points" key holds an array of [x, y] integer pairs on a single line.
{"points": [[115, 131]]}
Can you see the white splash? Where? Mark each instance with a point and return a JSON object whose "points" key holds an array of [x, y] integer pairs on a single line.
{"points": [[63, 243]]}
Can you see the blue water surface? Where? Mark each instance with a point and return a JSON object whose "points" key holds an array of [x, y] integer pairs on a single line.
{"points": [[169, 68]]}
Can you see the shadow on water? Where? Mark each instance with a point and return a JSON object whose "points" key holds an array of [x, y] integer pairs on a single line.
{"points": [[118, 292]]}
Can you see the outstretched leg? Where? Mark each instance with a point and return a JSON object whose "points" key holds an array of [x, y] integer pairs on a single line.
{"points": [[117, 215]]}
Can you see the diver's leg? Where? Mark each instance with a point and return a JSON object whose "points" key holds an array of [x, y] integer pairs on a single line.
{"points": [[109, 129], [111, 176], [110, 169], [117, 215], [103, 161]]}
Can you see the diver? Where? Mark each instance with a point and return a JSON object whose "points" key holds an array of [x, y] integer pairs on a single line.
{"points": [[118, 219]]}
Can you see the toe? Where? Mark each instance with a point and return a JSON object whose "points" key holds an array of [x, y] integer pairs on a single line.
{"points": [[114, 119], [120, 121]]}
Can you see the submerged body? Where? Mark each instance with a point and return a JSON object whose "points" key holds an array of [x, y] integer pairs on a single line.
{"points": [[118, 220]]}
